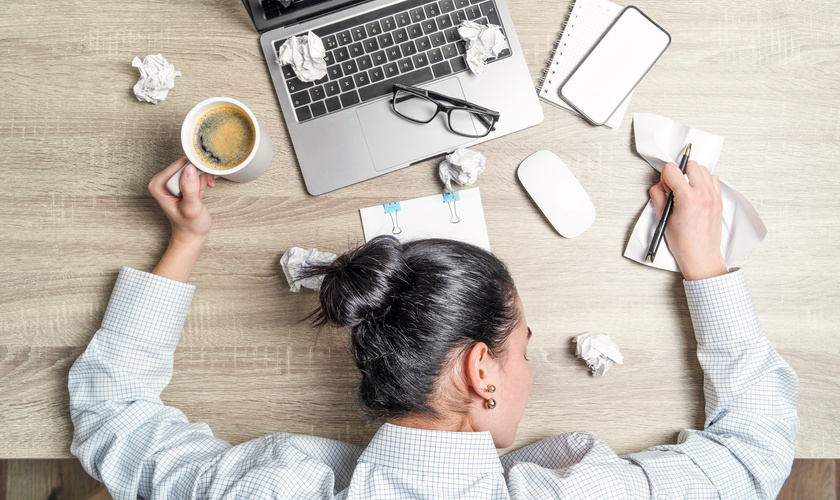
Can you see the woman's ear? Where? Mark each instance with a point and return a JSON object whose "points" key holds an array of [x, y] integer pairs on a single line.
{"points": [[480, 369]]}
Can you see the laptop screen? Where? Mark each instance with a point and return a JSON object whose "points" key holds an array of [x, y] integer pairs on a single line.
{"points": [[270, 14]]}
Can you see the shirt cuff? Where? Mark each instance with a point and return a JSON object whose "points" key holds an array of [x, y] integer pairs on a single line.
{"points": [[147, 308], [721, 308]]}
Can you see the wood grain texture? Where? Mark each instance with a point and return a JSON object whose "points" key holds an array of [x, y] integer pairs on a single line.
{"points": [[80, 149], [811, 479], [4, 464], [50, 480]]}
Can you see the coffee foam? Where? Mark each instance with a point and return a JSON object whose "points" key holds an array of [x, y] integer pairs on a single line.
{"points": [[224, 137]]}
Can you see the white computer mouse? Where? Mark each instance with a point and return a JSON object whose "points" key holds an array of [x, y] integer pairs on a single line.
{"points": [[557, 192]]}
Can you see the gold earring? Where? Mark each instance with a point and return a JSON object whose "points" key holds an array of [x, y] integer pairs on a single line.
{"points": [[490, 404], [490, 388]]}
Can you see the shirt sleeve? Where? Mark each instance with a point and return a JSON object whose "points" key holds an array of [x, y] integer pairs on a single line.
{"points": [[127, 438], [745, 449]]}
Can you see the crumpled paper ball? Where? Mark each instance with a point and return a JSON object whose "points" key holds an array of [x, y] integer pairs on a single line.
{"points": [[296, 260], [306, 55], [483, 43], [599, 352], [463, 166], [156, 78]]}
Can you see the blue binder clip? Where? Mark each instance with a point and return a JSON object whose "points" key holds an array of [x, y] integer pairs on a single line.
{"points": [[450, 199], [392, 209]]}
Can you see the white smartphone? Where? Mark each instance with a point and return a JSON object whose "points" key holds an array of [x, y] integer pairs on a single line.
{"points": [[615, 65]]}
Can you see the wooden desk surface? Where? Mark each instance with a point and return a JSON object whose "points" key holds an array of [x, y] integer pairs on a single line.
{"points": [[80, 149]]}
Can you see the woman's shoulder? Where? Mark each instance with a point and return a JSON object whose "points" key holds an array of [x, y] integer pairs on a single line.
{"points": [[281, 462], [572, 465], [561, 451], [314, 446]]}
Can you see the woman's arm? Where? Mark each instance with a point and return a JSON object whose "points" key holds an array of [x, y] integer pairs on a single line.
{"points": [[746, 447], [115, 385], [123, 433]]}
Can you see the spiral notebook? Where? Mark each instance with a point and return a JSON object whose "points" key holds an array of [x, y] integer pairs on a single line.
{"points": [[585, 23]]}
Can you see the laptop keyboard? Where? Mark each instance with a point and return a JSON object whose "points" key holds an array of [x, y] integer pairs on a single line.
{"points": [[410, 42]]}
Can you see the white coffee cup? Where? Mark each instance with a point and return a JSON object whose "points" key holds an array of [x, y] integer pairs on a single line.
{"points": [[252, 167]]}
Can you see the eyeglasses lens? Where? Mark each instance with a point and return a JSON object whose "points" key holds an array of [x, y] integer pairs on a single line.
{"points": [[469, 123], [414, 107]]}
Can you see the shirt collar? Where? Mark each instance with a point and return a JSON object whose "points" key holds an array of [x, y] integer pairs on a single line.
{"points": [[437, 452]]}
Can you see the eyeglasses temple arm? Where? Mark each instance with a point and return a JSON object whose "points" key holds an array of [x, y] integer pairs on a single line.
{"points": [[490, 123]]}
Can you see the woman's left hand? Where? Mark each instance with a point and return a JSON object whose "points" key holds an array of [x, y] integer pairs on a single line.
{"points": [[189, 217]]}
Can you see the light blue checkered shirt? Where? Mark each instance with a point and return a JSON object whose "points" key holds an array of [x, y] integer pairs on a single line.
{"points": [[125, 436]]}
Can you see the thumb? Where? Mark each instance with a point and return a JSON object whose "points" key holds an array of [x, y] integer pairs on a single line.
{"points": [[190, 186]]}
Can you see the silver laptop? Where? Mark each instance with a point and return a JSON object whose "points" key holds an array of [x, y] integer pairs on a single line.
{"points": [[343, 127]]}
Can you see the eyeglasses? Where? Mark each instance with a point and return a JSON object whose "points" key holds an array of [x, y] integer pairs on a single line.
{"points": [[464, 118]]}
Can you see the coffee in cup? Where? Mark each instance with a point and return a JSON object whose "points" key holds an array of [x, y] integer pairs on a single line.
{"points": [[223, 137]]}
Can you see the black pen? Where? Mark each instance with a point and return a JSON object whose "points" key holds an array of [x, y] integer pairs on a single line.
{"points": [[660, 228]]}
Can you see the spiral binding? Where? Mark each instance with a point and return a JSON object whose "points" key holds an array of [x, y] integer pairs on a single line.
{"points": [[572, 14]]}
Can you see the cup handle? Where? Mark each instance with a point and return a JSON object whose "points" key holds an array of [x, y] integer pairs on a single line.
{"points": [[174, 182]]}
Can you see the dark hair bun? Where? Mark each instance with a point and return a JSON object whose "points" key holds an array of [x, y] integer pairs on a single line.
{"points": [[363, 283], [411, 306]]}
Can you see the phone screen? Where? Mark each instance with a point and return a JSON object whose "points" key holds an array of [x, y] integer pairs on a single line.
{"points": [[615, 65]]}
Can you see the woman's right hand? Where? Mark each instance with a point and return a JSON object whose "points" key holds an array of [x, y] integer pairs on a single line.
{"points": [[189, 217], [693, 232]]}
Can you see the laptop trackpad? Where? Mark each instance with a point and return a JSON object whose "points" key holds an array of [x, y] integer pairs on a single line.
{"points": [[394, 141]]}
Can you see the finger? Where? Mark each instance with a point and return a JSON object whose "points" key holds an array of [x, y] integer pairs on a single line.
{"points": [[716, 183], [211, 179], [207, 181], [659, 195], [672, 176], [698, 174], [190, 188], [204, 181], [157, 185]]}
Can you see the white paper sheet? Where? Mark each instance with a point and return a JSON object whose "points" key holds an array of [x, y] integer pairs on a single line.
{"points": [[430, 217], [660, 140]]}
